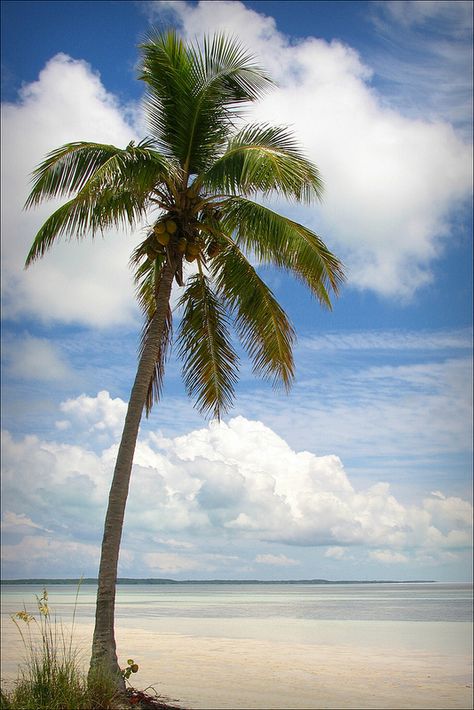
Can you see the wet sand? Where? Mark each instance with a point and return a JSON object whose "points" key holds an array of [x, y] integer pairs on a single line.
{"points": [[215, 671]]}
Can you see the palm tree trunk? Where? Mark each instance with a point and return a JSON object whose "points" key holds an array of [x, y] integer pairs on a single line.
{"points": [[104, 657]]}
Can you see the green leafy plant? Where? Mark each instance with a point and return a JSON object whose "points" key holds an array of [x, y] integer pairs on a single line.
{"points": [[132, 667]]}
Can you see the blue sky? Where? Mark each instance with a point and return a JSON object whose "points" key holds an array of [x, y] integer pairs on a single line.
{"points": [[364, 470]]}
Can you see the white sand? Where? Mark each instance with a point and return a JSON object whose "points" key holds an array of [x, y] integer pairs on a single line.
{"points": [[214, 671]]}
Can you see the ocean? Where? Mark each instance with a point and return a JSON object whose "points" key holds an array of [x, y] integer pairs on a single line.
{"points": [[429, 602], [408, 643]]}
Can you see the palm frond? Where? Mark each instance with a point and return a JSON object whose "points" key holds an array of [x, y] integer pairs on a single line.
{"points": [[146, 275], [278, 240], [192, 92], [210, 362], [113, 193], [224, 66], [263, 326], [264, 158], [166, 70], [88, 214], [75, 167]]}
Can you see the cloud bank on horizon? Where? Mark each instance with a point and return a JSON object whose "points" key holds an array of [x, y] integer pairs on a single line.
{"points": [[236, 485]]}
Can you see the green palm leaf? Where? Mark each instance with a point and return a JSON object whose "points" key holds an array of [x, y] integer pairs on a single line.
{"points": [[278, 240], [74, 166], [114, 189], [191, 94], [88, 214], [210, 362], [261, 323], [263, 158]]}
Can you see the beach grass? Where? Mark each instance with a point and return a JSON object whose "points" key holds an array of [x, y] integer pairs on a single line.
{"points": [[51, 676]]}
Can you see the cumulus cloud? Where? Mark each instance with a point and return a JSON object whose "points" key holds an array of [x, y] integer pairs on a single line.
{"points": [[385, 209], [97, 414], [236, 482], [72, 283]]}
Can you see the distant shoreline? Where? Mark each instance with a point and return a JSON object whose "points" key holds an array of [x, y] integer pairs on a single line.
{"points": [[133, 580]]}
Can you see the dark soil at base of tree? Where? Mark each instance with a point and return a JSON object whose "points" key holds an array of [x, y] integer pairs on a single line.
{"points": [[144, 701]]}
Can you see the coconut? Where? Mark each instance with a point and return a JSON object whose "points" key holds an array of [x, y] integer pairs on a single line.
{"points": [[181, 244], [171, 226], [163, 238], [193, 249], [190, 257], [159, 228]]}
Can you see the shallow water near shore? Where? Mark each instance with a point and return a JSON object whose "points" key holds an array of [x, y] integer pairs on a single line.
{"points": [[281, 646]]}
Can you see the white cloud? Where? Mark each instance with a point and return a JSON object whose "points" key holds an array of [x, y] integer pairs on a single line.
{"points": [[385, 209], [30, 358], [336, 553], [12, 522], [99, 414], [72, 282], [176, 563], [62, 424], [169, 562], [41, 555], [389, 340], [433, 40], [178, 544], [393, 411], [237, 483], [388, 557], [276, 560]]}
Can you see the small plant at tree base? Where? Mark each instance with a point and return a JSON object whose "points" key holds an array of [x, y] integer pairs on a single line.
{"points": [[132, 667]]}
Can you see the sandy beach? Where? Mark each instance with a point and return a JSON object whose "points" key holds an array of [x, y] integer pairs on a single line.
{"points": [[215, 671]]}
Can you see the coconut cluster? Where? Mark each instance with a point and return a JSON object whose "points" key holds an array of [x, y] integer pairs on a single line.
{"points": [[166, 234]]}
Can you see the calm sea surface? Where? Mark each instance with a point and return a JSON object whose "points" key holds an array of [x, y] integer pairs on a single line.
{"points": [[416, 602]]}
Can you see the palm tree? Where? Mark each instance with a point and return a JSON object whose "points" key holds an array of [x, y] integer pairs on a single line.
{"points": [[197, 176]]}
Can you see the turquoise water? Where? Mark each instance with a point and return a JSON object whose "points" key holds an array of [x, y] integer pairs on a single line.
{"points": [[416, 602]]}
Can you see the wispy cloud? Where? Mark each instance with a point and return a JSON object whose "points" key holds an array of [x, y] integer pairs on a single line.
{"points": [[30, 358], [425, 57], [276, 560], [390, 340]]}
